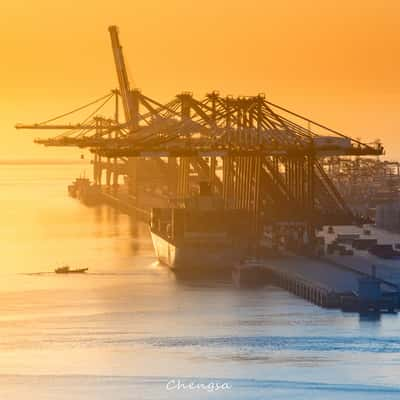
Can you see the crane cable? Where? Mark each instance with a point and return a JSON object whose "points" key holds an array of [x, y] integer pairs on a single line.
{"points": [[108, 96], [80, 131], [314, 122], [96, 110]]}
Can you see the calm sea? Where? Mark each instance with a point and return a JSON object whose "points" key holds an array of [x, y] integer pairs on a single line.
{"points": [[130, 330]]}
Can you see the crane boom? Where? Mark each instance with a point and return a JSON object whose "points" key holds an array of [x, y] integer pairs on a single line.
{"points": [[54, 127], [127, 94]]}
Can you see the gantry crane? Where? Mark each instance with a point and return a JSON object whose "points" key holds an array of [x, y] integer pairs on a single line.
{"points": [[256, 154]]}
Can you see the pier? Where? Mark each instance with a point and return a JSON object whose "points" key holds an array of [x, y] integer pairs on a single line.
{"points": [[351, 281], [329, 285]]}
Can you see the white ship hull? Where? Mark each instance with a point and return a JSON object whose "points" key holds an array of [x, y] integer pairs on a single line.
{"points": [[196, 259]]}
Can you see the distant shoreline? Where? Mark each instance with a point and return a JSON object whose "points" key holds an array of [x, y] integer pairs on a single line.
{"points": [[44, 162]]}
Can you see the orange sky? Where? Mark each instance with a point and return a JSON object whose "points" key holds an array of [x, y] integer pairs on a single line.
{"points": [[335, 61]]}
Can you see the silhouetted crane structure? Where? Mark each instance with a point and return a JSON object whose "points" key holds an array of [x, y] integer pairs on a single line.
{"points": [[255, 154]]}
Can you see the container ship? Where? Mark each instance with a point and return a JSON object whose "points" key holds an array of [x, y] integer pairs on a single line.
{"points": [[201, 236]]}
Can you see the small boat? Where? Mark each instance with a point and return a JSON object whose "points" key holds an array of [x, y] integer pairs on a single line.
{"points": [[68, 270]]}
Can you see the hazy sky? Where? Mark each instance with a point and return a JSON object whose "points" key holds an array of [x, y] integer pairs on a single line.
{"points": [[335, 61]]}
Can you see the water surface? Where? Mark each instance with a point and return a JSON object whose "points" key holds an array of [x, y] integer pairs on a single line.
{"points": [[128, 327]]}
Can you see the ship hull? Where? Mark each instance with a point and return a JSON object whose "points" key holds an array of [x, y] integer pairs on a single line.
{"points": [[192, 259]]}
